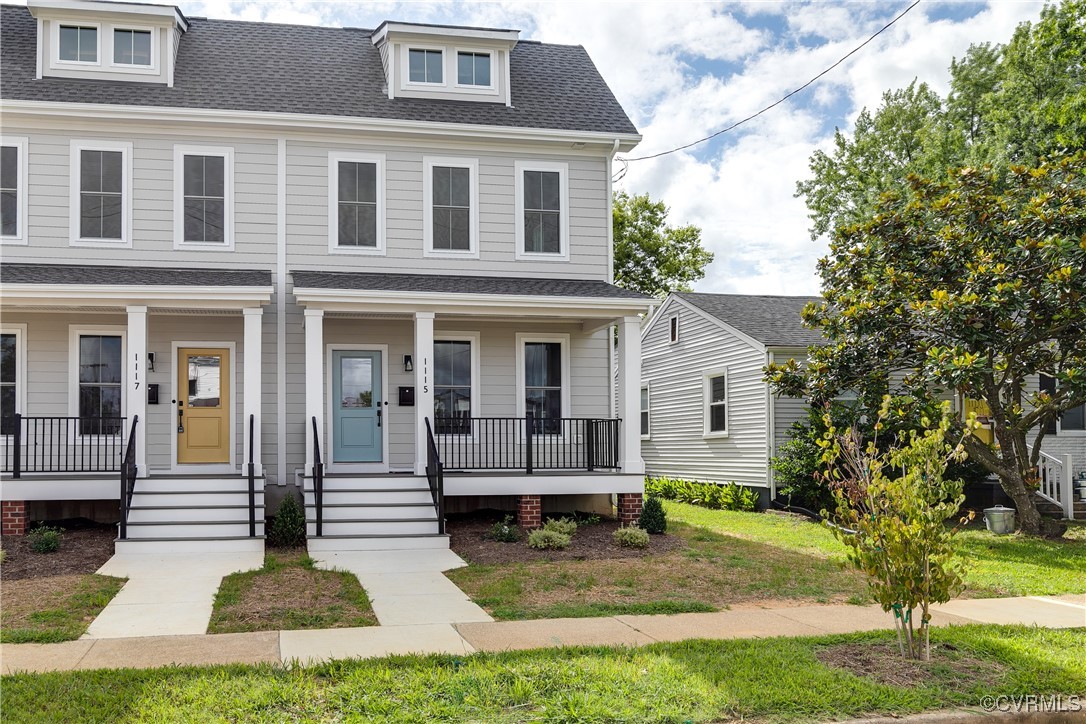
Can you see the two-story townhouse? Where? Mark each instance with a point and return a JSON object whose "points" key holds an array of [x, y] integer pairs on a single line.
{"points": [[239, 257]]}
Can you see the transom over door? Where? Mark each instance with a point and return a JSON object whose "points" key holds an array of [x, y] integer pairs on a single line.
{"points": [[203, 405], [356, 407]]}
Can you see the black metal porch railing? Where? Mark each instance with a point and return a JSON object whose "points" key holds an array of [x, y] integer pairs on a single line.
{"points": [[318, 481], [435, 475], [527, 443], [61, 444], [129, 471]]}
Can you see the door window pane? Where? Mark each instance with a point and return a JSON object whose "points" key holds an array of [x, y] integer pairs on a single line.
{"points": [[132, 47], [204, 181], [9, 190], [101, 179], [205, 381], [357, 201], [542, 212], [473, 69], [424, 66], [451, 208], [356, 383], [78, 44]]}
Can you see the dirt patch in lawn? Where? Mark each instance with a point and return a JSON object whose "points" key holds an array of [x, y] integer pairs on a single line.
{"points": [[289, 593], [53, 608], [884, 663], [591, 542], [84, 547]]}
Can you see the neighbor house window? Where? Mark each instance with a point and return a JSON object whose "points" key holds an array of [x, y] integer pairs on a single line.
{"points": [[1072, 420], [100, 368], [13, 189], [204, 178], [452, 386], [78, 44], [542, 210], [356, 214], [673, 328], [101, 191], [132, 47], [450, 206], [473, 69], [716, 403], [425, 66], [645, 411], [9, 379]]}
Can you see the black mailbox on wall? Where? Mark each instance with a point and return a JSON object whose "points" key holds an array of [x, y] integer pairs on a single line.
{"points": [[407, 397], [152, 393]]}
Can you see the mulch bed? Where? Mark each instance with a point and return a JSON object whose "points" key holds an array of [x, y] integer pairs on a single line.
{"points": [[84, 547], [885, 664], [467, 538]]}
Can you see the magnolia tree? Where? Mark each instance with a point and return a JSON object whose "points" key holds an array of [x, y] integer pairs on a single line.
{"points": [[975, 284], [892, 508]]}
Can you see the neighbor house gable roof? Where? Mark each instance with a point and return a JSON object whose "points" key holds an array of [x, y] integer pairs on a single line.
{"points": [[234, 65], [771, 321]]}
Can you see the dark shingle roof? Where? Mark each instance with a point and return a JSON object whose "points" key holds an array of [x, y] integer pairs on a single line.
{"points": [[246, 66], [131, 276], [450, 284], [773, 321]]}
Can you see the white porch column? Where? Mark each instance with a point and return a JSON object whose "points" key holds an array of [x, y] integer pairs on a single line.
{"points": [[254, 356], [629, 395], [136, 383], [314, 384], [424, 387]]}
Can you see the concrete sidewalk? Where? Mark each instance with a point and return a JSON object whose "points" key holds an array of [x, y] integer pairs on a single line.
{"points": [[304, 647]]}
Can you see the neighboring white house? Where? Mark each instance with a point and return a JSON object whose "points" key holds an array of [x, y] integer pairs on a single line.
{"points": [[707, 413], [343, 255]]}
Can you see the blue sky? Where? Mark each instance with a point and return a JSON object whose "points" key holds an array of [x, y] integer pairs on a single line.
{"points": [[685, 69]]}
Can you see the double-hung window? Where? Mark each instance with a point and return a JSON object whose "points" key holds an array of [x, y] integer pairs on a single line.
{"points": [[716, 403], [543, 375], [78, 44], [450, 207], [101, 192], [542, 210], [645, 428], [455, 370], [132, 47], [425, 65], [1072, 420], [356, 203], [203, 197], [12, 376], [473, 69], [100, 375], [13, 177]]}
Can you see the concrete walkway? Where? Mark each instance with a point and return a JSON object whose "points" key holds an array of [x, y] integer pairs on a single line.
{"points": [[167, 594], [302, 647]]}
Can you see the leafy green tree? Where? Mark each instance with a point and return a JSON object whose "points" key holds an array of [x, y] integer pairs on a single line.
{"points": [[650, 256], [975, 284]]}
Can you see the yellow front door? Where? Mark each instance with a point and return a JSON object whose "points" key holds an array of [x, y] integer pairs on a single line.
{"points": [[203, 406]]}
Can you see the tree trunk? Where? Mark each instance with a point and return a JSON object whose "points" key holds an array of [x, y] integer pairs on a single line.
{"points": [[1029, 518]]}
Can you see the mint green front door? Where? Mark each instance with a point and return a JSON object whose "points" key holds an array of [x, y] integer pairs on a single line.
{"points": [[356, 407]]}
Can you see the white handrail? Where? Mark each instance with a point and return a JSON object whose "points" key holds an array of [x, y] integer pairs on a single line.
{"points": [[1056, 485]]}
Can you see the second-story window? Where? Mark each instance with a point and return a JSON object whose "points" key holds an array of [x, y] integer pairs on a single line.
{"points": [[13, 190], [78, 44], [450, 206], [132, 47], [101, 194], [425, 66], [356, 216], [542, 210], [203, 197], [473, 69]]}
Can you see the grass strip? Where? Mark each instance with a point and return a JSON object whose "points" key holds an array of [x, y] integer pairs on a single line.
{"points": [[49, 610]]}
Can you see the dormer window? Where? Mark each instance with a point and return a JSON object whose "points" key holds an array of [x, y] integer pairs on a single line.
{"points": [[132, 47], [425, 65], [473, 69], [79, 43]]}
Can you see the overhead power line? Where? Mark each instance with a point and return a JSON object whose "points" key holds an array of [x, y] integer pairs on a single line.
{"points": [[771, 106]]}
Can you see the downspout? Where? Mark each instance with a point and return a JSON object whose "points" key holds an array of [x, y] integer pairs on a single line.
{"points": [[770, 427]]}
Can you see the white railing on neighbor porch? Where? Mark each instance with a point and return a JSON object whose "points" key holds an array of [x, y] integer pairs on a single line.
{"points": [[1056, 485]]}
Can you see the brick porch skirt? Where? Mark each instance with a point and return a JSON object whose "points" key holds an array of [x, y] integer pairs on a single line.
{"points": [[629, 508], [529, 511], [14, 517]]}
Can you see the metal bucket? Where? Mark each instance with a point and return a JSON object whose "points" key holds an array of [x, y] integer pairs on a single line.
{"points": [[999, 520]]}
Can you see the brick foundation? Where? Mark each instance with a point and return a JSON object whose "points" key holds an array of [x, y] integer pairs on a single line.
{"points": [[14, 517], [529, 511], [629, 508]]}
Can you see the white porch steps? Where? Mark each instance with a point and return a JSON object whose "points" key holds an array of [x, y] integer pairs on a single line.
{"points": [[193, 514], [385, 512]]}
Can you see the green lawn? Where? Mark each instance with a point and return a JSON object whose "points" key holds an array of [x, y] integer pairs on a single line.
{"points": [[997, 565], [52, 609], [768, 679]]}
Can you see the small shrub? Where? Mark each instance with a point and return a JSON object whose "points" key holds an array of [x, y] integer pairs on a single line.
{"points": [[631, 537], [708, 495], [44, 539], [565, 526], [504, 531], [287, 529], [544, 539], [653, 518]]}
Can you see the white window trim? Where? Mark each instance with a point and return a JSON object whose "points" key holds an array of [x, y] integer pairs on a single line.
{"points": [[334, 158], [563, 339], [491, 89], [706, 391], [227, 154], [125, 147], [519, 167], [21, 144], [19, 330], [647, 387], [673, 338], [54, 42], [476, 361], [406, 49], [472, 164], [75, 331], [134, 67]]}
